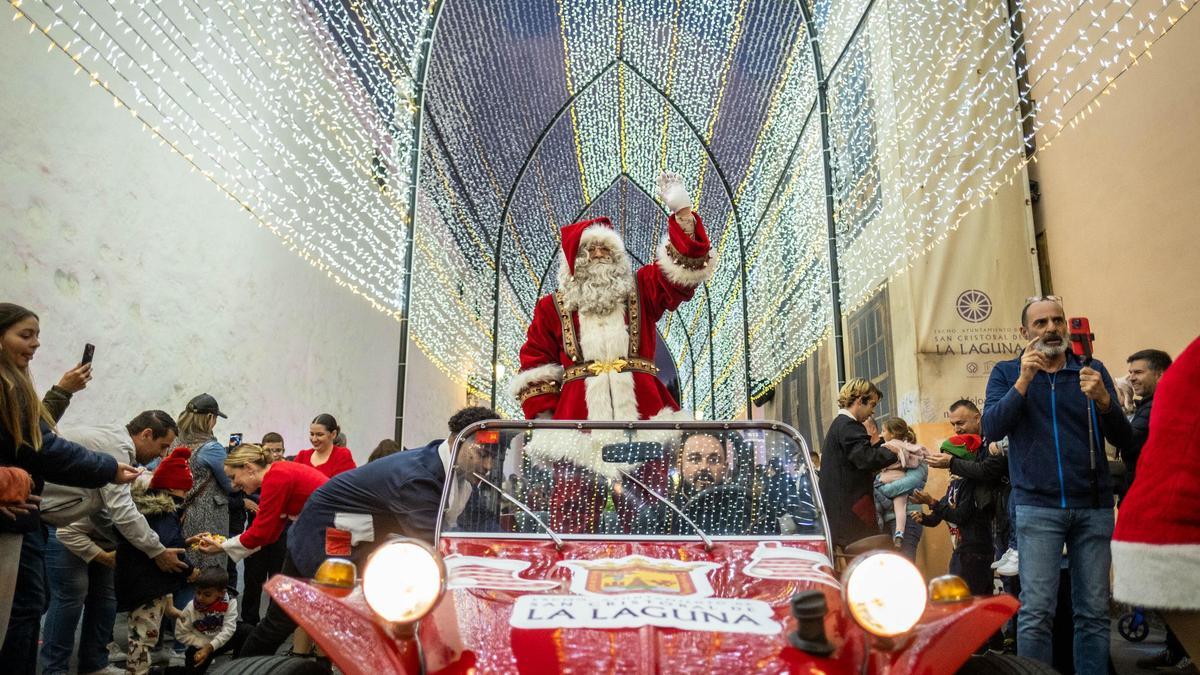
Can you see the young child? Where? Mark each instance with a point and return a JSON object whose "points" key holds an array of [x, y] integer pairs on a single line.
{"points": [[901, 440], [208, 625], [143, 589]]}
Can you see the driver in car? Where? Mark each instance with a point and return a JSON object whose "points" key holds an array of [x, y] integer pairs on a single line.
{"points": [[703, 463], [707, 492]]}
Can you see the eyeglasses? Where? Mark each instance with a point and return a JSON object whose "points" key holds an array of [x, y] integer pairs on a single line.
{"points": [[1043, 298]]}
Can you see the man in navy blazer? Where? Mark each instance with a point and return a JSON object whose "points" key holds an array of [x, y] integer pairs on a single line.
{"points": [[357, 510]]}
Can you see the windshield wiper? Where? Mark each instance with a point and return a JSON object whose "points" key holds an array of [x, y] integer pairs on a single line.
{"points": [[558, 542], [703, 537]]}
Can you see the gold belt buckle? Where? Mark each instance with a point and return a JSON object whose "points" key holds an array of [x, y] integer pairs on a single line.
{"points": [[601, 367]]}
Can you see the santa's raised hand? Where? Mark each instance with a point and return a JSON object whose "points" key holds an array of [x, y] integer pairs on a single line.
{"points": [[672, 192]]}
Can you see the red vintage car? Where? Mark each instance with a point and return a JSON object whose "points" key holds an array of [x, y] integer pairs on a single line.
{"points": [[641, 547]]}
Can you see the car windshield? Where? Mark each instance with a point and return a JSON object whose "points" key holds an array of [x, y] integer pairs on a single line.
{"points": [[605, 480]]}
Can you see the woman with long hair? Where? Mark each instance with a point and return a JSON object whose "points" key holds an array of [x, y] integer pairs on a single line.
{"points": [[326, 456], [207, 503], [28, 442]]}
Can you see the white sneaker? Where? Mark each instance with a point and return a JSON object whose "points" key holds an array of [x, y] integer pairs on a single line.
{"points": [[1010, 566], [1004, 558], [116, 653]]}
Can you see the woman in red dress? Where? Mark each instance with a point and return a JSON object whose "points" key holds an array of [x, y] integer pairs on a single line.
{"points": [[284, 486], [324, 456]]}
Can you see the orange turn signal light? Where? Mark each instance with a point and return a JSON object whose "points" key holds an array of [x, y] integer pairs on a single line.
{"points": [[948, 588], [336, 576]]}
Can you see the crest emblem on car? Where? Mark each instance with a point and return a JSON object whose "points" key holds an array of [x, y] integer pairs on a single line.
{"points": [[639, 574]]}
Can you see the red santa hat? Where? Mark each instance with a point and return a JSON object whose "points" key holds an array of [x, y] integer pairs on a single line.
{"points": [[173, 473], [1156, 544], [577, 234]]}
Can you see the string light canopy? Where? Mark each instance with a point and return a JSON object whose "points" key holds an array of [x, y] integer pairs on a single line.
{"points": [[424, 154]]}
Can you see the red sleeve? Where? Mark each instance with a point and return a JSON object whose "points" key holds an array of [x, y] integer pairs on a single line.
{"points": [[341, 461], [683, 263], [540, 363], [268, 522]]}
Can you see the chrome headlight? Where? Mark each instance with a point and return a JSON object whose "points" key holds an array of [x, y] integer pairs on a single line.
{"points": [[885, 593], [403, 580]]}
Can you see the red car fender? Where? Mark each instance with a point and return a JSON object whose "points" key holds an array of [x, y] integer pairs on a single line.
{"points": [[345, 629], [947, 636]]}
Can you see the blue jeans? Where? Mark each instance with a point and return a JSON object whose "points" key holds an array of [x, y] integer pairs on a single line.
{"points": [[1041, 533], [77, 588], [912, 537]]}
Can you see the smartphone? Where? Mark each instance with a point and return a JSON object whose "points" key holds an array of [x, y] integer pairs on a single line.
{"points": [[89, 350], [1082, 337], [235, 440]]}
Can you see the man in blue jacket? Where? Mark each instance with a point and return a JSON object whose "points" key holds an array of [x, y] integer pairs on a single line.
{"points": [[1061, 487], [359, 509]]}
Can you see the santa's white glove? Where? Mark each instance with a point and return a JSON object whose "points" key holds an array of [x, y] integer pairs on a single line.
{"points": [[672, 192]]}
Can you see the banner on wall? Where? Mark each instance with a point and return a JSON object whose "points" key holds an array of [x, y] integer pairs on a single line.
{"points": [[969, 292]]}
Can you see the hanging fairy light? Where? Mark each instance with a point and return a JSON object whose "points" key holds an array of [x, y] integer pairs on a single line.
{"points": [[304, 112]]}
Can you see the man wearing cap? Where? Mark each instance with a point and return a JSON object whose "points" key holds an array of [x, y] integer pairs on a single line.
{"points": [[589, 351], [359, 509]]}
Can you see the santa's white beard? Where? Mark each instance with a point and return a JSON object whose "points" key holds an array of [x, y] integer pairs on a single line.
{"points": [[598, 287]]}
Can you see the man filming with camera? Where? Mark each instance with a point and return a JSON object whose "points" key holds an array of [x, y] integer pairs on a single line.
{"points": [[1046, 402]]}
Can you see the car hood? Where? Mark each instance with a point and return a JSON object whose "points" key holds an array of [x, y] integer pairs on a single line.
{"points": [[631, 606]]}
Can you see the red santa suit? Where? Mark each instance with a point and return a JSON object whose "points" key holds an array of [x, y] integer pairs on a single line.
{"points": [[581, 365]]}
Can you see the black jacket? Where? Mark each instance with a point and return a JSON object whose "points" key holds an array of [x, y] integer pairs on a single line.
{"points": [[988, 472], [849, 462], [137, 577], [959, 507], [402, 493], [1140, 423], [58, 461]]}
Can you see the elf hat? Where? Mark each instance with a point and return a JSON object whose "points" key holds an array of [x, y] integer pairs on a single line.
{"points": [[964, 445], [173, 473]]}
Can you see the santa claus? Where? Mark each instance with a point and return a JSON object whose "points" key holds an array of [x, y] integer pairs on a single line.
{"points": [[589, 352]]}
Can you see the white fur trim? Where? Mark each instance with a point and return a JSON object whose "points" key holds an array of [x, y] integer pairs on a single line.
{"points": [[585, 449], [609, 396], [680, 275], [602, 233], [234, 549], [1162, 576], [550, 372], [547, 446]]}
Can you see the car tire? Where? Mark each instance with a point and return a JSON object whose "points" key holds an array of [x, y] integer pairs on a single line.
{"points": [[1004, 664], [273, 665]]}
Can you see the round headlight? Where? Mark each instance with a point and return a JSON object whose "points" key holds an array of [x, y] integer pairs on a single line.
{"points": [[885, 593], [403, 581]]}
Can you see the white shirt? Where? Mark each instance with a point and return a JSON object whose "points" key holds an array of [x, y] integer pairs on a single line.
{"points": [[460, 488]]}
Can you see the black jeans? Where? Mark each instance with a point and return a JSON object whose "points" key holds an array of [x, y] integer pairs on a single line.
{"points": [[275, 626], [30, 601], [264, 563]]}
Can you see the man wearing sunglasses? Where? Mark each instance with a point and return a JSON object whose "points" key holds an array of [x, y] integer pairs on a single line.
{"points": [[1061, 488]]}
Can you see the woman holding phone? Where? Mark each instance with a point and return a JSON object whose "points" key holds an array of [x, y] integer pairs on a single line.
{"points": [[324, 455], [28, 442]]}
